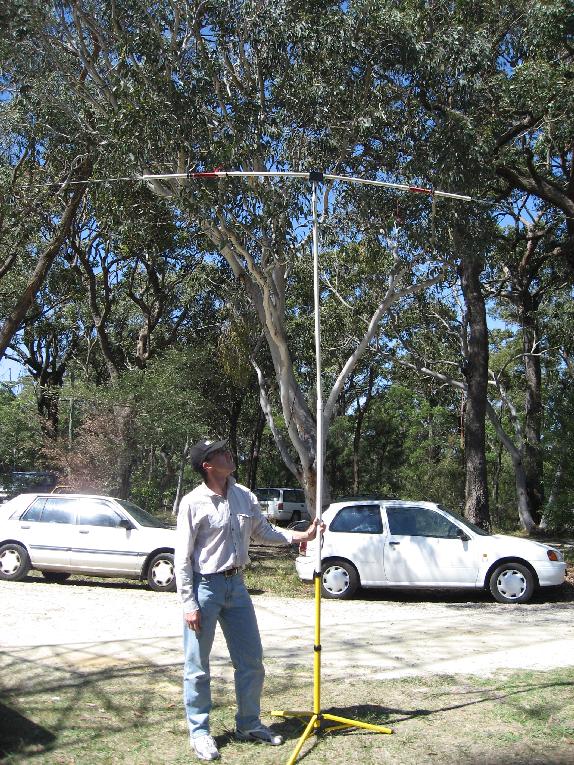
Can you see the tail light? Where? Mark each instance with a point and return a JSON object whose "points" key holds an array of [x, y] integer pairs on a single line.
{"points": [[280, 506], [303, 548]]}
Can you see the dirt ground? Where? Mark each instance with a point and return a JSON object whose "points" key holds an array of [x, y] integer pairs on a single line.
{"points": [[84, 624]]}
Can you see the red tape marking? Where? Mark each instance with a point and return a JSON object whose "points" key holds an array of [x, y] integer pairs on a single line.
{"points": [[206, 173]]}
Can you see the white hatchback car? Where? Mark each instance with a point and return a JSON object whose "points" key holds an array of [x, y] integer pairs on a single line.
{"points": [[64, 534], [392, 543]]}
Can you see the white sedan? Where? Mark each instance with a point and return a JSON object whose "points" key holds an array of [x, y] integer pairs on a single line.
{"points": [[63, 534], [392, 543]]}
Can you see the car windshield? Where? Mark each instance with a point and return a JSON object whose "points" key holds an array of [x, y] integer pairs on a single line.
{"points": [[462, 519], [142, 516]]}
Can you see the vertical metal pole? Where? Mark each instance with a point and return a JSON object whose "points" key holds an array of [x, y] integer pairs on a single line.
{"points": [[319, 460], [317, 307]]}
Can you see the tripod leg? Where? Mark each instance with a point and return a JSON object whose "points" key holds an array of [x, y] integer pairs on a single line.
{"points": [[304, 736], [345, 722]]}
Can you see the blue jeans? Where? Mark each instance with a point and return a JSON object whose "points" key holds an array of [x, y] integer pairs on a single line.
{"points": [[224, 600]]}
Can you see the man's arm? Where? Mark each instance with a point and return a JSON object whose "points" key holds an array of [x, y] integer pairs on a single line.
{"points": [[183, 565], [310, 533], [263, 531]]}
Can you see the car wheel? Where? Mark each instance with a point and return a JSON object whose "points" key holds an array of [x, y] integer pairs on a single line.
{"points": [[296, 517], [161, 573], [56, 576], [512, 583], [14, 562], [339, 580]]}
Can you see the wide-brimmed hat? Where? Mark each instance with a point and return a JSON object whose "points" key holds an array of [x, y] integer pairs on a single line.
{"points": [[202, 449]]}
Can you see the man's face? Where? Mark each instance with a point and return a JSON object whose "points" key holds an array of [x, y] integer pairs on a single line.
{"points": [[220, 462]]}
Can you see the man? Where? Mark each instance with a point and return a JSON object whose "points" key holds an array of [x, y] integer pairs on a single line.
{"points": [[215, 524]]}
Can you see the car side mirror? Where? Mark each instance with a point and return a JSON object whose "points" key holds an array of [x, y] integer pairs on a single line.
{"points": [[462, 535], [125, 524]]}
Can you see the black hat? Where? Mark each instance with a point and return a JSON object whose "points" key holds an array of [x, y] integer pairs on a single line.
{"points": [[202, 449]]}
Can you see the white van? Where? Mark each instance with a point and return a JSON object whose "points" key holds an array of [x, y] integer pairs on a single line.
{"points": [[283, 504]]}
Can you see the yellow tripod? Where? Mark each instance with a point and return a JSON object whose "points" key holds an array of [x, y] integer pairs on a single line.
{"points": [[316, 717]]}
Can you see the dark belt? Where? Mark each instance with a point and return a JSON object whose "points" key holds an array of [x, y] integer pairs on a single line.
{"points": [[227, 573]]}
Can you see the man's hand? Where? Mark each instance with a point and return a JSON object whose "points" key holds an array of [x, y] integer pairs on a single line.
{"points": [[193, 620], [311, 533]]}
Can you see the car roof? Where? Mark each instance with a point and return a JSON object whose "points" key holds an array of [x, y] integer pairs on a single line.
{"points": [[69, 495], [372, 500], [278, 488], [364, 498]]}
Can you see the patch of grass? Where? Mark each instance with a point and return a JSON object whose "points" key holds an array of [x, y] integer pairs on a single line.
{"points": [[272, 570], [133, 714]]}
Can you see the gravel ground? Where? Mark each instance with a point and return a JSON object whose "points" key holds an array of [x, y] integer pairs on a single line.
{"points": [[85, 625]]}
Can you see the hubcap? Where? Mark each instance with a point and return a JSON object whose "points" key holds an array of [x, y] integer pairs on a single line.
{"points": [[10, 562], [162, 573], [335, 580], [511, 584]]}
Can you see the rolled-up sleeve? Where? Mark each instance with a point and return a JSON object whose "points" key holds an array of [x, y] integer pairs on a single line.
{"points": [[183, 558]]}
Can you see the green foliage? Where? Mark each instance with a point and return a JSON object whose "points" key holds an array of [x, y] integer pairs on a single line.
{"points": [[142, 306], [20, 440]]}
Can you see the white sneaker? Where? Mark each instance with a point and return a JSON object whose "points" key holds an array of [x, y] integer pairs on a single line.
{"points": [[205, 747], [261, 734]]}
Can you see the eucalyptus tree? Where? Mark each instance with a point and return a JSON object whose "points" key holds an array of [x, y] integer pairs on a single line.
{"points": [[42, 161], [51, 336], [527, 279], [492, 93], [20, 436], [189, 86]]}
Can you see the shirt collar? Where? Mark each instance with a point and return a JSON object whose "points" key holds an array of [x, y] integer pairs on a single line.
{"points": [[210, 493]]}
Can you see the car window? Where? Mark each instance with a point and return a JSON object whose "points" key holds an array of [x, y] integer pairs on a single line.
{"points": [[59, 510], [358, 519], [142, 516], [265, 495], [466, 522], [420, 522], [97, 513], [292, 495], [34, 512]]}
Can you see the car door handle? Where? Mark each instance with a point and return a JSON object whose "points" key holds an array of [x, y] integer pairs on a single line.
{"points": [[394, 543], [84, 531], [25, 526]]}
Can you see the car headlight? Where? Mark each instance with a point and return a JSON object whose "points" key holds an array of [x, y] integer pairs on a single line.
{"points": [[554, 555]]}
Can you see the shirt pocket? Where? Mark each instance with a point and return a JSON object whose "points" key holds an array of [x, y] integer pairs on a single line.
{"points": [[245, 522]]}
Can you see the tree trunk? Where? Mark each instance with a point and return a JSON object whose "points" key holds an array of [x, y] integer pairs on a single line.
{"points": [[361, 411], [253, 461], [48, 398], [179, 488], [24, 301], [476, 373], [126, 450], [533, 462], [234, 413], [524, 514]]}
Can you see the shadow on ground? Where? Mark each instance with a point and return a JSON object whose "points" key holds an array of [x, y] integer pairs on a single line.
{"points": [[18, 732]]}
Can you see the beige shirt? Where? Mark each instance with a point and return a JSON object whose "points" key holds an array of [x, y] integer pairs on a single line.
{"points": [[213, 534]]}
